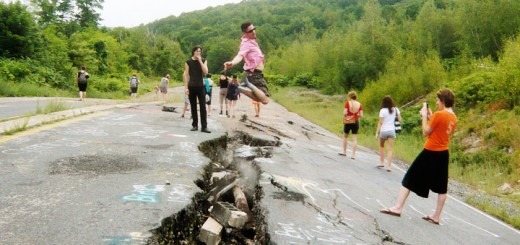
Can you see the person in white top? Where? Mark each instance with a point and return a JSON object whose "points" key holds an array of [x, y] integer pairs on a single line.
{"points": [[386, 130]]}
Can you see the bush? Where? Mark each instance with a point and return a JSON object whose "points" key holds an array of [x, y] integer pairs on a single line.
{"points": [[475, 90], [305, 80], [108, 84], [33, 72], [277, 80]]}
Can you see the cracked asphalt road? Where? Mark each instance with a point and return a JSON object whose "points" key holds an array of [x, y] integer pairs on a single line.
{"points": [[56, 189]]}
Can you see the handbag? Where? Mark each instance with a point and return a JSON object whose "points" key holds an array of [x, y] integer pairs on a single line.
{"points": [[397, 124], [350, 119]]}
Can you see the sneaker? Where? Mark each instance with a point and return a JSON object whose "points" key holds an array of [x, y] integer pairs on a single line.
{"points": [[227, 114], [220, 112], [245, 83], [205, 130], [182, 115], [194, 129]]}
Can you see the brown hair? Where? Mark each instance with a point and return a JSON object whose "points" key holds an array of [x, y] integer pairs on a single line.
{"points": [[195, 49], [388, 103], [352, 95], [245, 25], [447, 97]]}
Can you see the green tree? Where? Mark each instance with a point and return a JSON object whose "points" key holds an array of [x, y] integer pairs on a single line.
{"points": [[167, 58], [508, 83], [99, 51], [19, 36], [485, 25], [87, 15], [54, 53], [53, 11], [219, 50], [407, 76]]}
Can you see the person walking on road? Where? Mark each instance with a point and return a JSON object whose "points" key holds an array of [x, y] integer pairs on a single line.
{"points": [[429, 171], [186, 106], [195, 69], [254, 84], [133, 83], [351, 113], [208, 83], [386, 130], [82, 80], [223, 83], [232, 95], [165, 81]]}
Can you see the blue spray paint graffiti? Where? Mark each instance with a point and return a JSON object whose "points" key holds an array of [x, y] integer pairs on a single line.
{"points": [[133, 238], [145, 193]]}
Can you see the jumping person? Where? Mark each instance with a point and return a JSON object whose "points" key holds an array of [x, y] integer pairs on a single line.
{"points": [[254, 84]]}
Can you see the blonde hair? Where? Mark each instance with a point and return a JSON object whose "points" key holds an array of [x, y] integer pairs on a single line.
{"points": [[352, 95]]}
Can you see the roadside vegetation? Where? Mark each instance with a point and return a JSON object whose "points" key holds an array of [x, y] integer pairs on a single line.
{"points": [[316, 51], [17, 128]]}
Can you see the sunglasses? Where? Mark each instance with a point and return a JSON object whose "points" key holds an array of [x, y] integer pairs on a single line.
{"points": [[252, 30]]}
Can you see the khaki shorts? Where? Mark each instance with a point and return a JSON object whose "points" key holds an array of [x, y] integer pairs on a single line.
{"points": [[223, 91], [257, 79]]}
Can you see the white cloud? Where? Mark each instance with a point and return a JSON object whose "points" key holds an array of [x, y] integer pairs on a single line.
{"points": [[133, 13]]}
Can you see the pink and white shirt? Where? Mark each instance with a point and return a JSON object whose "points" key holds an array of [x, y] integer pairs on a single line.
{"points": [[251, 52]]}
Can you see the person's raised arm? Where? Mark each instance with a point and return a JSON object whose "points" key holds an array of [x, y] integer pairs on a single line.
{"points": [[234, 62], [425, 113], [204, 66]]}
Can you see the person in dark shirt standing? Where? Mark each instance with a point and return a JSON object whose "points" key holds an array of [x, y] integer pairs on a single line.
{"points": [[195, 69]]}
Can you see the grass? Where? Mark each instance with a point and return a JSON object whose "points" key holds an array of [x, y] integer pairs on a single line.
{"points": [[326, 111], [12, 89], [52, 106], [494, 162], [17, 128]]}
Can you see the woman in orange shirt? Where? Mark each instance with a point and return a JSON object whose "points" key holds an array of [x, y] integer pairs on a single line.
{"points": [[429, 171]]}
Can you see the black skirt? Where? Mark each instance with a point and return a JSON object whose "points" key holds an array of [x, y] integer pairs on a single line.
{"points": [[429, 171]]}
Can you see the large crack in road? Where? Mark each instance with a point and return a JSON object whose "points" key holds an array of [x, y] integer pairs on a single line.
{"points": [[230, 173]]}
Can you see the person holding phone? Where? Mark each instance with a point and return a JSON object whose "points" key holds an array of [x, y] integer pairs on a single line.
{"points": [[429, 171]]}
